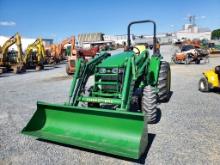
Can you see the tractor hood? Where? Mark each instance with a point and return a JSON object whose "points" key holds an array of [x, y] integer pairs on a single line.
{"points": [[116, 60]]}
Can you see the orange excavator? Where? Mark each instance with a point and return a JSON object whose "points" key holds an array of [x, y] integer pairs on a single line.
{"points": [[62, 49], [57, 52], [51, 54]]}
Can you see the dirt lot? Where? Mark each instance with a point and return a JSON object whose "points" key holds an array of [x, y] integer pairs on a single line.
{"points": [[187, 133]]}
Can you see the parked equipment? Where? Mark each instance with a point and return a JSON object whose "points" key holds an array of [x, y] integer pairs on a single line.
{"points": [[72, 56], [12, 60], [189, 54], [213, 48], [61, 53], [78, 53], [35, 55], [87, 54], [111, 114], [211, 80], [58, 52]]}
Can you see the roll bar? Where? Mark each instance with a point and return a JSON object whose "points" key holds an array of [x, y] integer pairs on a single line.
{"points": [[138, 22]]}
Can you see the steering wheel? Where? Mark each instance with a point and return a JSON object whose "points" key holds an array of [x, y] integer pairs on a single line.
{"points": [[137, 50]]}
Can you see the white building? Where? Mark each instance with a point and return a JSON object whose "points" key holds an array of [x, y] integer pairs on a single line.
{"points": [[191, 31], [24, 41], [163, 38], [117, 39]]}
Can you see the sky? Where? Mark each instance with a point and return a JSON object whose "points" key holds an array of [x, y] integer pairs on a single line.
{"points": [[58, 19]]}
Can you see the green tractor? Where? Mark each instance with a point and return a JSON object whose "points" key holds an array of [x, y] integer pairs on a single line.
{"points": [[111, 113]]}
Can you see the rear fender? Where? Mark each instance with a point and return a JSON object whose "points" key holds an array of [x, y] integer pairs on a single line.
{"points": [[153, 70]]}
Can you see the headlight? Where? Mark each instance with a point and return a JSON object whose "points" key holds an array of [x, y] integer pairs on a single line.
{"points": [[102, 70], [115, 70]]}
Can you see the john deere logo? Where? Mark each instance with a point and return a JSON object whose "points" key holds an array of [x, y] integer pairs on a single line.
{"points": [[99, 100]]}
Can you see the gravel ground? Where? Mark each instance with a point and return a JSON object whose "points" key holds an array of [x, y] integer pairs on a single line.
{"points": [[187, 133]]}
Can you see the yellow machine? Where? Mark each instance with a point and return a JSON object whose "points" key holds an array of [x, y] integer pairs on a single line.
{"points": [[211, 80], [140, 47], [15, 61], [35, 55]]}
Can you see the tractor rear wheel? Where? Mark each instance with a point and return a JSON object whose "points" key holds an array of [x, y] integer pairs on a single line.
{"points": [[203, 85], [149, 104], [164, 82]]}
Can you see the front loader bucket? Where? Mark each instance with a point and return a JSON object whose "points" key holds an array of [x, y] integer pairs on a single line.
{"points": [[114, 132]]}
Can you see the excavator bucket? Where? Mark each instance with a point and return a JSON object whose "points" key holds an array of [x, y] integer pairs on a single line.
{"points": [[115, 132]]}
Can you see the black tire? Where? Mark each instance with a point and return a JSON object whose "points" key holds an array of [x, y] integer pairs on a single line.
{"points": [[173, 59], [149, 104], [198, 61], [203, 85], [217, 69], [164, 82], [187, 60]]}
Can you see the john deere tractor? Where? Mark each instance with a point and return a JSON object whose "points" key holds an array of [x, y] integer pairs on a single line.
{"points": [[111, 101]]}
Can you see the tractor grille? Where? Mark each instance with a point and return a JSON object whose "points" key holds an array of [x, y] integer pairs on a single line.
{"points": [[110, 88], [109, 78], [109, 82]]}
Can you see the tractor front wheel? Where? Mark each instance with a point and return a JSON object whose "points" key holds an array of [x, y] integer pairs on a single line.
{"points": [[203, 85], [149, 104], [164, 82]]}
